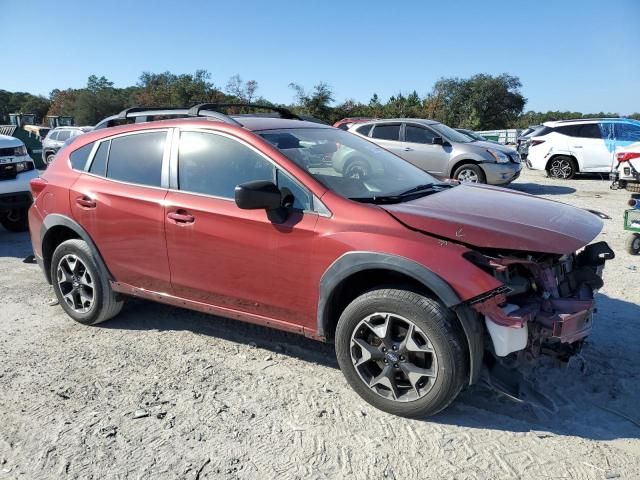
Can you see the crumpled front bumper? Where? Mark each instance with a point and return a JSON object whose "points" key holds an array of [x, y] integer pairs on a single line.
{"points": [[557, 309]]}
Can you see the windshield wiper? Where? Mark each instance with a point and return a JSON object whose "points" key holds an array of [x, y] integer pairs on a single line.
{"points": [[417, 190]]}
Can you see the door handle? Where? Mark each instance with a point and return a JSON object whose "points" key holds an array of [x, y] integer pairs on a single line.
{"points": [[86, 202], [408, 149], [577, 146], [181, 217]]}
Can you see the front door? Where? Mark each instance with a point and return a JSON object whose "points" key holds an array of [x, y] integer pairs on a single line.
{"points": [[231, 258], [419, 150]]}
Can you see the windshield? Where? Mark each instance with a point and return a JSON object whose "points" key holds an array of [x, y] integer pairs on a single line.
{"points": [[450, 134], [349, 165]]}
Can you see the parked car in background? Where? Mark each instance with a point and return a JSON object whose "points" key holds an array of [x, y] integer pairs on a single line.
{"points": [[16, 170], [522, 143], [345, 123], [408, 276], [437, 149], [626, 173], [566, 147], [56, 138], [475, 136]]}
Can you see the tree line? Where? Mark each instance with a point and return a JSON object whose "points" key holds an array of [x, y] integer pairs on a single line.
{"points": [[481, 102]]}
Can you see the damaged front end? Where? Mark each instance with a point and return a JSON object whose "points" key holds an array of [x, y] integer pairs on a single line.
{"points": [[546, 303]]}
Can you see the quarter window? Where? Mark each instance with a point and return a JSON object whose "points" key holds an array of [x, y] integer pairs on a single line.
{"points": [[415, 134], [137, 158], [214, 165], [387, 132], [301, 197], [80, 156]]}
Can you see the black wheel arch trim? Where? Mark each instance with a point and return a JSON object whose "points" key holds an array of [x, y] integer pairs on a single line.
{"points": [[358, 261], [57, 220]]}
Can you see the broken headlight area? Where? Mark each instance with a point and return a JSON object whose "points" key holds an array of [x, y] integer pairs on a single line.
{"points": [[546, 302]]}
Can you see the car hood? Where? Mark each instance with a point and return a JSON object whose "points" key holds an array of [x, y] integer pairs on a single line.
{"points": [[493, 217], [494, 145]]}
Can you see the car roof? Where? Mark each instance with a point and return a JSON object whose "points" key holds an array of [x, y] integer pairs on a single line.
{"points": [[424, 121], [270, 123], [556, 123]]}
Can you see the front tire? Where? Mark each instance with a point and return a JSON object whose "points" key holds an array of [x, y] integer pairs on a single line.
{"points": [[357, 169], [402, 352], [49, 158], [16, 220], [82, 288], [470, 173]]}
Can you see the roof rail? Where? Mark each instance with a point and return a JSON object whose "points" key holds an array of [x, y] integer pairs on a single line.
{"points": [[588, 119], [284, 113], [131, 112], [128, 111]]}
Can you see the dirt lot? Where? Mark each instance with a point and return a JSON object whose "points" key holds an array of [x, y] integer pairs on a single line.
{"points": [[166, 393]]}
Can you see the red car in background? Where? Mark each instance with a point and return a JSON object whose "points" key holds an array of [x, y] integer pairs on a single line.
{"points": [[346, 123], [417, 282]]}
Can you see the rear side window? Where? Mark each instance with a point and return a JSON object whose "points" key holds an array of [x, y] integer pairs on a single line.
{"points": [[79, 157], [415, 134], [585, 130], [137, 158], [387, 132], [99, 163], [63, 135], [214, 165], [364, 130]]}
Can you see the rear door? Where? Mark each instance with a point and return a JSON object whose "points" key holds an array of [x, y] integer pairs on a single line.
{"points": [[230, 258], [387, 135], [588, 145], [119, 199], [418, 149]]}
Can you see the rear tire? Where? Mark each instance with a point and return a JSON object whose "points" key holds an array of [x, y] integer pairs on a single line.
{"points": [[562, 167], [82, 288], [633, 244], [410, 378], [16, 220], [632, 187], [470, 173]]}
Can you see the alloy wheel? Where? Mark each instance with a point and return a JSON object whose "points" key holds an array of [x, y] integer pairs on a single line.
{"points": [[75, 283], [468, 175], [561, 168], [393, 357]]}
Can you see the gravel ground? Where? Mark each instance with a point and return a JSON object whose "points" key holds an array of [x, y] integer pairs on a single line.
{"points": [[161, 392]]}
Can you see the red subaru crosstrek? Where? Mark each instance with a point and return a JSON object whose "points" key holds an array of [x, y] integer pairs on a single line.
{"points": [[418, 282]]}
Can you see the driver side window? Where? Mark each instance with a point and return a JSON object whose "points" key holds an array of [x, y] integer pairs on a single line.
{"points": [[214, 165], [414, 134]]}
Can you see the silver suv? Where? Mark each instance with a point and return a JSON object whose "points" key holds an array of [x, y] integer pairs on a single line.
{"points": [[437, 149], [55, 139]]}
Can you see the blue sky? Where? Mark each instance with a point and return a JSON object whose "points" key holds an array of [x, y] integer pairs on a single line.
{"points": [[570, 55]]}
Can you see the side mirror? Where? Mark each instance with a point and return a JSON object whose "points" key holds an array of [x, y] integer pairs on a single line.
{"points": [[437, 141], [258, 194], [262, 194]]}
